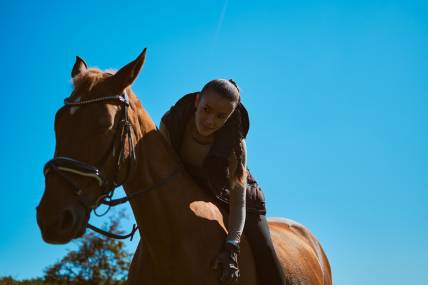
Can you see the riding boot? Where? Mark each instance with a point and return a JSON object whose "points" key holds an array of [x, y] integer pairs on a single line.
{"points": [[268, 268]]}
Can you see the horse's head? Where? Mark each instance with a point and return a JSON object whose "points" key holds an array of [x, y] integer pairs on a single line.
{"points": [[94, 149]]}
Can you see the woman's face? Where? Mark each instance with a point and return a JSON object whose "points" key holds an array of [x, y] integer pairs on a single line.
{"points": [[212, 112]]}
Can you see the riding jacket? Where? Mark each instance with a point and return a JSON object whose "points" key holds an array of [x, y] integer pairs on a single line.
{"points": [[213, 166]]}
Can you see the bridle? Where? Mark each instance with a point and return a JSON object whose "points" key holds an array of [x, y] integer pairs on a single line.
{"points": [[61, 165]]}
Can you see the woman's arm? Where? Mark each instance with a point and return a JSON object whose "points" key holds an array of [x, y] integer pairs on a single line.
{"points": [[237, 206]]}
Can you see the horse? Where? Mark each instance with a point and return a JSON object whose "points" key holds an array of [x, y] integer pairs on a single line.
{"points": [[105, 138]]}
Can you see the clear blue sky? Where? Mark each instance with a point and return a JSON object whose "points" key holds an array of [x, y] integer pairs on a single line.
{"points": [[337, 93]]}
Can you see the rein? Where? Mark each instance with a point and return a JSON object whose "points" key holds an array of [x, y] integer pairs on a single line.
{"points": [[62, 165]]}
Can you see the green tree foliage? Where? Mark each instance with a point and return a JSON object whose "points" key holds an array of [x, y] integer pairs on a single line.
{"points": [[8, 280], [97, 260]]}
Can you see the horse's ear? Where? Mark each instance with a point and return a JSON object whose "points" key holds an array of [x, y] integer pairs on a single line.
{"points": [[79, 66], [127, 74]]}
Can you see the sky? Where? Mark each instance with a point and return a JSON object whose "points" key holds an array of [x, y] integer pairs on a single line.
{"points": [[337, 93]]}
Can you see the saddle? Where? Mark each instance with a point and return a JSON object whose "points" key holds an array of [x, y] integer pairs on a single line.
{"points": [[255, 199]]}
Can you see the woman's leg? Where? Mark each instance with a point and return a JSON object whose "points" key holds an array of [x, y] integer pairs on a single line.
{"points": [[269, 270]]}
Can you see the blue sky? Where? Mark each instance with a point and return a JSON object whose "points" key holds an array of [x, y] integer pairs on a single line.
{"points": [[337, 94]]}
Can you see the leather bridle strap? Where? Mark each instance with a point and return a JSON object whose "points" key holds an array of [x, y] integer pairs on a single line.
{"points": [[62, 164], [115, 202], [112, 235]]}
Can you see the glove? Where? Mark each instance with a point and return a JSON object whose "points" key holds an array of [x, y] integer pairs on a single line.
{"points": [[227, 262]]}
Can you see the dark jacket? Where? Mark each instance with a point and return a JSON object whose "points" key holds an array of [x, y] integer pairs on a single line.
{"points": [[215, 171]]}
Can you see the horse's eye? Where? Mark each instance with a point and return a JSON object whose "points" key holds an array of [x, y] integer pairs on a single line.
{"points": [[102, 128], [102, 123]]}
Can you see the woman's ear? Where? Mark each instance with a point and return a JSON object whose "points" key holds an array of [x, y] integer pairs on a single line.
{"points": [[197, 98]]}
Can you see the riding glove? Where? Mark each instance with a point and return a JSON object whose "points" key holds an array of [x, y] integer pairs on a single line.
{"points": [[227, 262]]}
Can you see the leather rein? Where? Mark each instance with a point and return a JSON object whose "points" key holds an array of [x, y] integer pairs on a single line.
{"points": [[61, 165]]}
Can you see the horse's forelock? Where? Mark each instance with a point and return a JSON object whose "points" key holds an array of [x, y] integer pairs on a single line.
{"points": [[85, 81], [87, 78]]}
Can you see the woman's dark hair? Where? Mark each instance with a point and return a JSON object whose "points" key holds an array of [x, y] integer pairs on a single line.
{"points": [[228, 89], [232, 130]]}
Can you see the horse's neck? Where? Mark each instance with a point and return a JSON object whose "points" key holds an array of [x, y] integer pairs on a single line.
{"points": [[169, 214], [156, 162]]}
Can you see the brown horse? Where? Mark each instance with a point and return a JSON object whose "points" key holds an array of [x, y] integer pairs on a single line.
{"points": [[105, 138]]}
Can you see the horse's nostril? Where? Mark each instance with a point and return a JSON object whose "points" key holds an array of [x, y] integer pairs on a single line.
{"points": [[67, 220]]}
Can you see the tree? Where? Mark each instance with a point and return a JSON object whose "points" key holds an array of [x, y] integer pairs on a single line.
{"points": [[8, 280], [97, 260]]}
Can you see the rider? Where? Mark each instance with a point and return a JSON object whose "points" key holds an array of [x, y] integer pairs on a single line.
{"points": [[208, 129]]}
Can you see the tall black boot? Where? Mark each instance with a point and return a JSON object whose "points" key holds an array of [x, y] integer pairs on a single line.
{"points": [[268, 267]]}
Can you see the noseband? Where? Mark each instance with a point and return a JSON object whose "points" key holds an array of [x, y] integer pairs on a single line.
{"points": [[62, 165]]}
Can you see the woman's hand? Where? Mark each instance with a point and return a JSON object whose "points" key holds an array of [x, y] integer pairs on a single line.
{"points": [[227, 262]]}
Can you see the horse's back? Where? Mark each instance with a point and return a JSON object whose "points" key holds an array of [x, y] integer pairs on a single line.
{"points": [[300, 253]]}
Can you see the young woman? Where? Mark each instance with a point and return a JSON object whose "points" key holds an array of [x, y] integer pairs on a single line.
{"points": [[208, 129]]}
